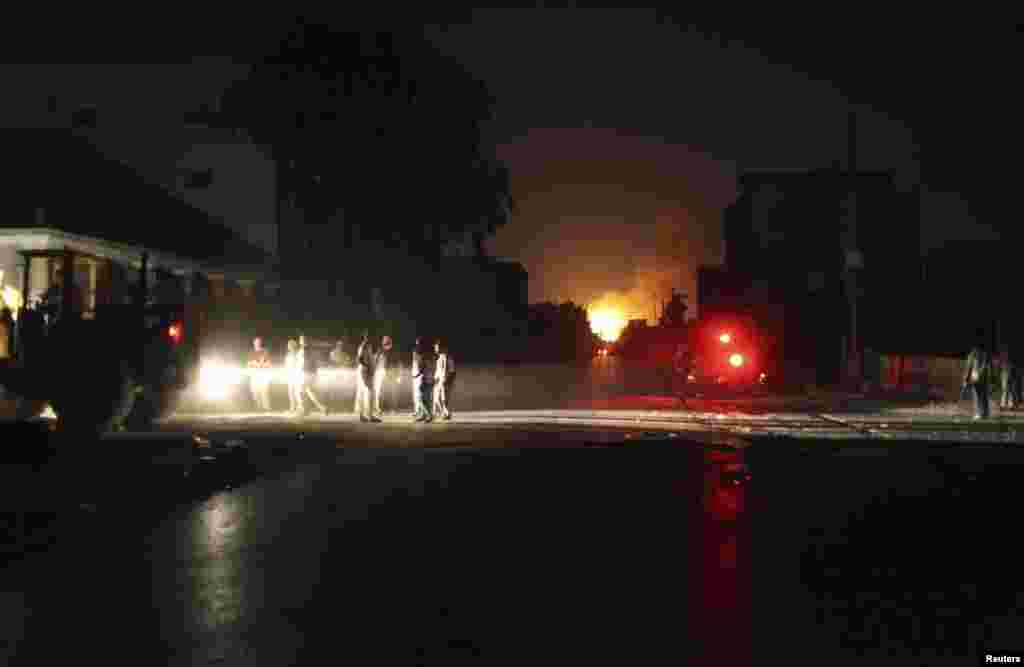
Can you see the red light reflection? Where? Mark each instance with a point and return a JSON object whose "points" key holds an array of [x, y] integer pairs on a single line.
{"points": [[720, 562]]}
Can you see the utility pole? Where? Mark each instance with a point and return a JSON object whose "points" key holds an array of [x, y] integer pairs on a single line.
{"points": [[852, 261]]}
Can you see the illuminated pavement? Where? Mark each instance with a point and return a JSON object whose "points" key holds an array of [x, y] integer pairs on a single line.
{"points": [[864, 421]]}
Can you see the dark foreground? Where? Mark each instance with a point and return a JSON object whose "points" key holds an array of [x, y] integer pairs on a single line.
{"points": [[568, 547]]}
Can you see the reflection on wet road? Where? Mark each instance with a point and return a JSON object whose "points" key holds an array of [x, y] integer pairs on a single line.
{"points": [[524, 556]]}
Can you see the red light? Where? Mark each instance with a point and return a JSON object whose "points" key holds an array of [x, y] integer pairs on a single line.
{"points": [[736, 360], [175, 332], [725, 338]]}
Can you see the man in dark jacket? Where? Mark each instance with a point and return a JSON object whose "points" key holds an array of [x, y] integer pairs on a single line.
{"points": [[381, 367], [1007, 380], [1016, 399], [977, 372], [422, 383]]}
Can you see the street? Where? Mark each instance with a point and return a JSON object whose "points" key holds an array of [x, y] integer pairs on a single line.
{"points": [[677, 294], [870, 420], [515, 543]]}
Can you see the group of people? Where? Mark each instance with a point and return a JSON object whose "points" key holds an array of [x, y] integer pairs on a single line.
{"points": [[432, 375], [300, 370], [979, 372], [433, 379]]}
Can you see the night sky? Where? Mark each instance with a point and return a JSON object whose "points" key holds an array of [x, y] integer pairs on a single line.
{"points": [[624, 132]]}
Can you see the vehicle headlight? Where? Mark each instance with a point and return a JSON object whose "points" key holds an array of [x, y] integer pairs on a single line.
{"points": [[216, 380]]}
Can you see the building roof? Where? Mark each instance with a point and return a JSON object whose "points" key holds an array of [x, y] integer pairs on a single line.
{"points": [[84, 193]]}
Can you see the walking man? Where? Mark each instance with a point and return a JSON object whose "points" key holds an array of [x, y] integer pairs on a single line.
{"points": [[364, 380], [976, 375], [420, 387], [1007, 376], [444, 377], [293, 373], [309, 365], [1015, 381], [259, 375], [380, 373]]}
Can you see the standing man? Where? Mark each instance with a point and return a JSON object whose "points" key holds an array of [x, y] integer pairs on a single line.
{"points": [[1007, 374], [444, 375], [293, 373], [976, 375], [6, 332], [308, 364], [52, 301], [364, 380], [420, 386], [380, 372], [1015, 380], [259, 375]]}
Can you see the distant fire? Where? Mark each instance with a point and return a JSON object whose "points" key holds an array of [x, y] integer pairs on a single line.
{"points": [[607, 323]]}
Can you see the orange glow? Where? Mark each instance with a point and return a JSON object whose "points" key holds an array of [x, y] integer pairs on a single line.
{"points": [[607, 323], [725, 338], [174, 331], [736, 360]]}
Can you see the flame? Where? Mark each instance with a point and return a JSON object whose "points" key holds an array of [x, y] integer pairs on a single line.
{"points": [[607, 323]]}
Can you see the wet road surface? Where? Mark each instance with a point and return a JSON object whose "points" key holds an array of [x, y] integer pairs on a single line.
{"points": [[866, 420], [641, 550]]}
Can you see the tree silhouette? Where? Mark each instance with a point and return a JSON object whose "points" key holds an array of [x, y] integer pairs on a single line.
{"points": [[381, 126], [560, 332], [675, 311]]}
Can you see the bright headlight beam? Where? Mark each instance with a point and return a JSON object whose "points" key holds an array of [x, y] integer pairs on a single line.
{"points": [[216, 379]]}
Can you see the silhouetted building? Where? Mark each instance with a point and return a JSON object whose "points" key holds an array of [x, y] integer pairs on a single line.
{"points": [[784, 240], [68, 205]]}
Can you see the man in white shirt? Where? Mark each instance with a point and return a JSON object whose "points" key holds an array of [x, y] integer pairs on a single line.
{"points": [[421, 372], [293, 369], [364, 380], [444, 377], [380, 373], [259, 379]]}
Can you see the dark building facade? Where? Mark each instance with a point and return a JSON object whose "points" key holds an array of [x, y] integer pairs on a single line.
{"points": [[70, 209], [800, 246], [64, 195]]}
